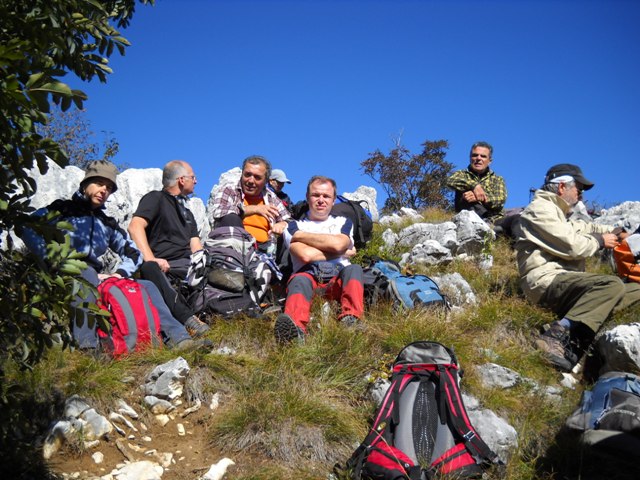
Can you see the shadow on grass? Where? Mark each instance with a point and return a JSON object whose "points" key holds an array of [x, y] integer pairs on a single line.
{"points": [[25, 423], [568, 458]]}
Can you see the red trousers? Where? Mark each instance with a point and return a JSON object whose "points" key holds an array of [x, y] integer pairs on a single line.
{"points": [[345, 287]]}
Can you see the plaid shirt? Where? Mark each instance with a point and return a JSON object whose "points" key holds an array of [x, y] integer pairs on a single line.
{"points": [[492, 184], [230, 199]]}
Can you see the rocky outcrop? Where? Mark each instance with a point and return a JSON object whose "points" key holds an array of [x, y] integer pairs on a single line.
{"points": [[133, 438]]}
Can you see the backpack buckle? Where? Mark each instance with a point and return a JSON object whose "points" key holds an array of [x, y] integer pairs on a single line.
{"points": [[470, 435]]}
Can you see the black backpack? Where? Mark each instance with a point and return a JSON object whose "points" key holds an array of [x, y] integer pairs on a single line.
{"points": [[228, 276], [608, 418], [421, 428], [355, 210]]}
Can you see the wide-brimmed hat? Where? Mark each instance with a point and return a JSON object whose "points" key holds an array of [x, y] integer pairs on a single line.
{"points": [[568, 169], [101, 168], [279, 175]]}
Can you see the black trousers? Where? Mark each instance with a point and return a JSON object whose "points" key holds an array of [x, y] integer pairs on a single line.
{"points": [[174, 299]]}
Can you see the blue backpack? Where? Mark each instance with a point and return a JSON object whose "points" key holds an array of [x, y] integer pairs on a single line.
{"points": [[409, 291]]}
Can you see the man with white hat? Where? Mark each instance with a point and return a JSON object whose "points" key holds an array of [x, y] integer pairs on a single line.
{"points": [[276, 183], [551, 253]]}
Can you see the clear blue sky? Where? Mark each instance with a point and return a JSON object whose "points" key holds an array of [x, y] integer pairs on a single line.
{"points": [[317, 85]]}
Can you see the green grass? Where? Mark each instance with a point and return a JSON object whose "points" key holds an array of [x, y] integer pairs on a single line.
{"points": [[293, 412]]}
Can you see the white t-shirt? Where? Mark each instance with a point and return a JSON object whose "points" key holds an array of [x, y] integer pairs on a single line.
{"points": [[332, 225]]}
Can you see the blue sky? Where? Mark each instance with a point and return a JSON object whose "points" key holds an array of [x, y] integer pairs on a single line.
{"points": [[317, 85]]}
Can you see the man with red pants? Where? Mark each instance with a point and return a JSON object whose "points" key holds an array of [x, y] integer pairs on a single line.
{"points": [[320, 246]]}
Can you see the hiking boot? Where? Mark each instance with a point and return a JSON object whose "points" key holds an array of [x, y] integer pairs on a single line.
{"points": [[195, 327], [555, 342], [191, 345], [286, 331], [349, 321]]}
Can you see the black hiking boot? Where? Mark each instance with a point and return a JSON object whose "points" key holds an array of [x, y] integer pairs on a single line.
{"points": [[555, 342], [286, 331]]}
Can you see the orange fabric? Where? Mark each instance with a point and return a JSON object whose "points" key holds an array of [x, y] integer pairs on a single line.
{"points": [[256, 225], [626, 263]]}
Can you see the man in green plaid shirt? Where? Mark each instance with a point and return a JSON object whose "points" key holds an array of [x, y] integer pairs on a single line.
{"points": [[478, 188]]}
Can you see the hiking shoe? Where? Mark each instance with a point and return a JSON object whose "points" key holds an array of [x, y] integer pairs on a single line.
{"points": [[349, 321], [286, 330], [190, 345], [555, 343], [195, 327]]}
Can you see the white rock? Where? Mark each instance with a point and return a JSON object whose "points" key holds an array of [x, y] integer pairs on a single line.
{"points": [[121, 420], [142, 470], [162, 419], [218, 470], [215, 401], [125, 409], [193, 408], [181, 430], [98, 457]]}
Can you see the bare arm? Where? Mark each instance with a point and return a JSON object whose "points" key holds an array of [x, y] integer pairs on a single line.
{"points": [[332, 245], [195, 244]]}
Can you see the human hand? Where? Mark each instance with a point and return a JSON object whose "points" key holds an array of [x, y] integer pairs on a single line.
{"points": [[103, 276], [610, 240], [469, 197], [480, 194], [278, 228], [270, 212], [351, 252], [162, 263]]}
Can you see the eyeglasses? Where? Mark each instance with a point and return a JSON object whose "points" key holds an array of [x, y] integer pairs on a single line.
{"points": [[192, 177]]}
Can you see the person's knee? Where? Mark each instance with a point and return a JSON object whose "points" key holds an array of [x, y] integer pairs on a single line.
{"points": [[615, 285], [149, 269]]}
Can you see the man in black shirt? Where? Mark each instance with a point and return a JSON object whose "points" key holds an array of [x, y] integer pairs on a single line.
{"points": [[165, 231]]}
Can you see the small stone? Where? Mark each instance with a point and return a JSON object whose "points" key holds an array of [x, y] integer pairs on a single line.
{"points": [[163, 419], [215, 401], [98, 457], [181, 430]]}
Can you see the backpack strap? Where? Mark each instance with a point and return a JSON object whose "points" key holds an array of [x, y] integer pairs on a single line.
{"points": [[459, 419]]}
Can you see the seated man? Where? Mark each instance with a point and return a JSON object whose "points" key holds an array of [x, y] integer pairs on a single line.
{"points": [[251, 205], [94, 232], [320, 246], [277, 181], [551, 252], [478, 188], [165, 231]]}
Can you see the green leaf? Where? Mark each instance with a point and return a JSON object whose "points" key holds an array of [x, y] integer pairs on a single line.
{"points": [[58, 88], [33, 79]]}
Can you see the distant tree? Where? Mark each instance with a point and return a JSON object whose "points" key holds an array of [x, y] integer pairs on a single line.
{"points": [[41, 41], [71, 129], [412, 180]]}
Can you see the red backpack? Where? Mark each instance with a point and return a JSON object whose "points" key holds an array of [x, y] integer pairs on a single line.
{"points": [[135, 323], [421, 430]]}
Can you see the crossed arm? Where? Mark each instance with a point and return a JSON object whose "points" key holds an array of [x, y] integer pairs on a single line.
{"points": [[313, 247]]}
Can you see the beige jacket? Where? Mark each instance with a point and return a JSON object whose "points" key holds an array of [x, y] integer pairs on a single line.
{"points": [[548, 244]]}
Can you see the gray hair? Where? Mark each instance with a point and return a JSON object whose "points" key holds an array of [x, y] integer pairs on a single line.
{"points": [[258, 160], [172, 171], [483, 145], [554, 187]]}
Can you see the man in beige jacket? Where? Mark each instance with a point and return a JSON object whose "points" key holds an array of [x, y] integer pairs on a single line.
{"points": [[551, 254]]}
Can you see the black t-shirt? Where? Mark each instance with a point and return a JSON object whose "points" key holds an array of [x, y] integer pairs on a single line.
{"points": [[171, 225]]}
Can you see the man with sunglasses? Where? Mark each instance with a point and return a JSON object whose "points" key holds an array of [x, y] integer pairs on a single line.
{"points": [[477, 187], [551, 253], [166, 233]]}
